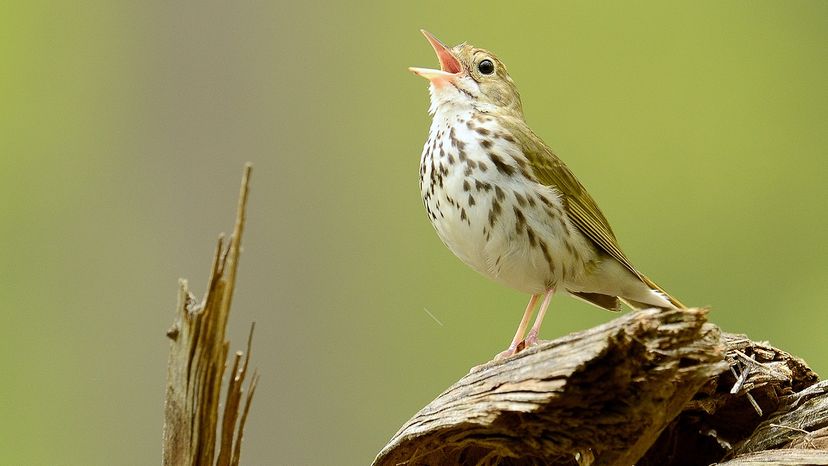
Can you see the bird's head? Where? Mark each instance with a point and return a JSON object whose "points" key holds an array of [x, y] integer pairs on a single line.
{"points": [[470, 77]]}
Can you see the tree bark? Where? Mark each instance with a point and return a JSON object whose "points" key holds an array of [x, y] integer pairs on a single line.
{"points": [[649, 388], [196, 365]]}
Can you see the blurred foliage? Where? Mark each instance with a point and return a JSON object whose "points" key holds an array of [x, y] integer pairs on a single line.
{"points": [[700, 128]]}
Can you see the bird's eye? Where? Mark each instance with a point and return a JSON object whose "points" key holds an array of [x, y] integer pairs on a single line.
{"points": [[486, 67]]}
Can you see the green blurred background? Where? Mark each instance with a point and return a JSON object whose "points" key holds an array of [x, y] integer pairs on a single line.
{"points": [[699, 127]]}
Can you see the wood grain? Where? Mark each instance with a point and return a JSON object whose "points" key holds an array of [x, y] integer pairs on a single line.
{"points": [[197, 361], [648, 388]]}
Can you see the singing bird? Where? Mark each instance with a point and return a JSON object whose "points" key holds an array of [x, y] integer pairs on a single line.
{"points": [[507, 206]]}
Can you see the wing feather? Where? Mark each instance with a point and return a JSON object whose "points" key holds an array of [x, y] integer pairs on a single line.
{"points": [[582, 209]]}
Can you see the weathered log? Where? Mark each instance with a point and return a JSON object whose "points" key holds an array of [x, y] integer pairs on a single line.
{"points": [[649, 388], [780, 457]]}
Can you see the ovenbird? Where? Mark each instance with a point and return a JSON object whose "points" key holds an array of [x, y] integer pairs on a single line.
{"points": [[507, 206]]}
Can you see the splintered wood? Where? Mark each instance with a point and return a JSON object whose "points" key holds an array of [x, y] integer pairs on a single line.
{"points": [[197, 362], [649, 388]]}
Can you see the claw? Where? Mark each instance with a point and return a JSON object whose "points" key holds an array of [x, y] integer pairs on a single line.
{"points": [[511, 351], [531, 339]]}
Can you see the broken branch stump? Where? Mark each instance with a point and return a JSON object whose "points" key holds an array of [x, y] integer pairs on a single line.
{"points": [[196, 365]]}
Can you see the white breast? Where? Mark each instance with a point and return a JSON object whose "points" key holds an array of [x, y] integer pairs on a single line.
{"points": [[478, 191]]}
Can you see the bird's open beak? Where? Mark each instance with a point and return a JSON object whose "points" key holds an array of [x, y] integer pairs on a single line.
{"points": [[449, 65]]}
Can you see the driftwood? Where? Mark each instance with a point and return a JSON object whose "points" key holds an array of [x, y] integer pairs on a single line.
{"points": [[649, 388], [197, 362]]}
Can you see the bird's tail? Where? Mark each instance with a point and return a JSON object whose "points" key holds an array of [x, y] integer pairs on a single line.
{"points": [[659, 292]]}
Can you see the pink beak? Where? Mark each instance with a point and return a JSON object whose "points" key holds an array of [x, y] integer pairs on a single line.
{"points": [[449, 65]]}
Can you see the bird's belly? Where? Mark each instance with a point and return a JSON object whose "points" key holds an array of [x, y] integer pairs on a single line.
{"points": [[507, 229], [491, 213]]}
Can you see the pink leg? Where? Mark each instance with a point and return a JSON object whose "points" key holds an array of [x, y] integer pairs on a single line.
{"points": [[532, 338], [524, 322]]}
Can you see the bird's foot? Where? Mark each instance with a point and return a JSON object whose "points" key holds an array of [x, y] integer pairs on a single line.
{"points": [[510, 351], [531, 339], [505, 354], [499, 357]]}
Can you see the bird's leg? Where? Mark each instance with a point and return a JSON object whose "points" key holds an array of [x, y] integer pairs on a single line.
{"points": [[524, 322], [532, 338]]}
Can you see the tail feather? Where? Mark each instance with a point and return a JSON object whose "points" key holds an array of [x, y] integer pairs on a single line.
{"points": [[613, 303], [610, 303], [675, 302], [636, 305], [611, 283]]}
